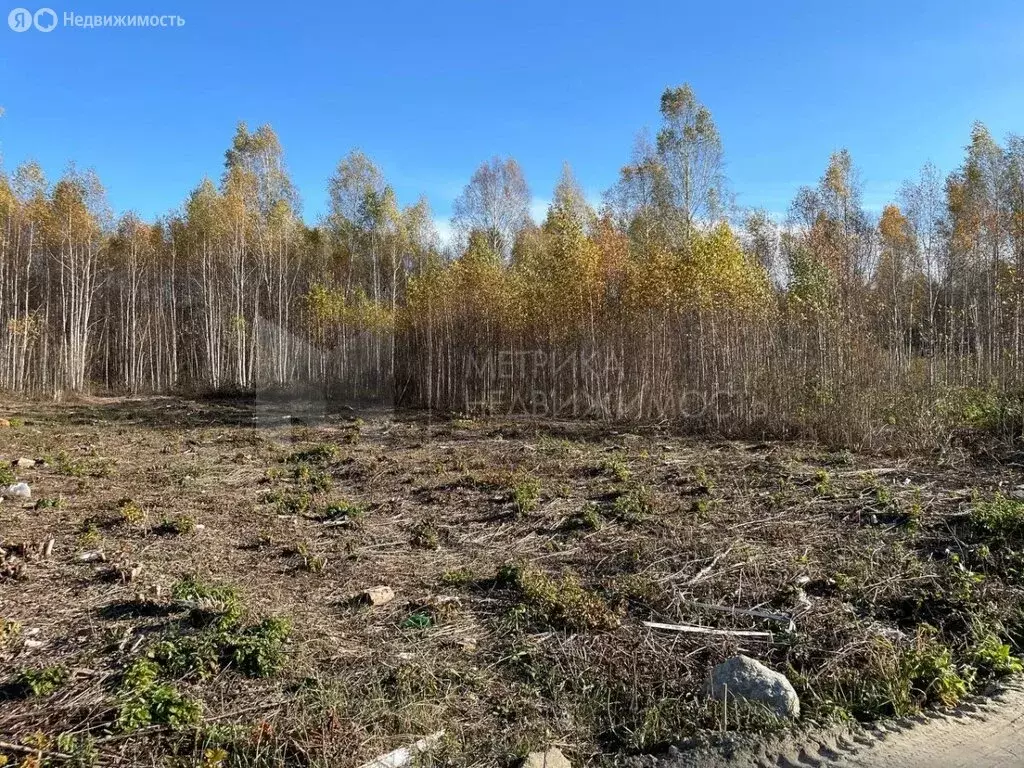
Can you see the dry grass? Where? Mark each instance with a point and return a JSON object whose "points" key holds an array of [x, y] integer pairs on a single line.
{"points": [[524, 558]]}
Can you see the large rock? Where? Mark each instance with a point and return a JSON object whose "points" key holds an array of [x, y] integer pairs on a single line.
{"points": [[746, 678], [552, 758]]}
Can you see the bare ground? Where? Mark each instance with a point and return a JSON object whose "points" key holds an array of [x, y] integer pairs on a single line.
{"points": [[524, 556]]}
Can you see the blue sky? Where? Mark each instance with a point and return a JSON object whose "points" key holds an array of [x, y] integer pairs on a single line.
{"points": [[431, 89]]}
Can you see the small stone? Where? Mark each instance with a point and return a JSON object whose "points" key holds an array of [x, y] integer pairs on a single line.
{"points": [[4, 423], [378, 595], [23, 463], [552, 758], [93, 556], [746, 678], [17, 491]]}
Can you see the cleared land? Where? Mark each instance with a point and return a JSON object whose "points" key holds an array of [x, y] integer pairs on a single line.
{"points": [[224, 624]]}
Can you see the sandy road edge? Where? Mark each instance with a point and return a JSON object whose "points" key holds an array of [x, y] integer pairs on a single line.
{"points": [[986, 731]]}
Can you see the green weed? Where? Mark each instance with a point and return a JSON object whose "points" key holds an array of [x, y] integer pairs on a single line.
{"points": [[130, 512], [823, 483], [617, 468], [42, 681], [143, 700], [344, 510], [1000, 516], [180, 525], [590, 516], [931, 672], [563, 603], [89, 537], [526, 495], [992, 655], [316, 480], [10, 631], [321, 453], [634, 506]]}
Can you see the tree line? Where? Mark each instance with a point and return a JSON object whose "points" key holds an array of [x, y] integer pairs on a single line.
{"points": [[664, 302]]}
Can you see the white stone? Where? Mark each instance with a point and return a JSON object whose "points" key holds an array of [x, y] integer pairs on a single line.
{"points": [[378, 595], [746, 678], [552, 758], [17, 491]]}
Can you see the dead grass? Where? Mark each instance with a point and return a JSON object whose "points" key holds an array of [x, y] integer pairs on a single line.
{"points": [[524, 558]]}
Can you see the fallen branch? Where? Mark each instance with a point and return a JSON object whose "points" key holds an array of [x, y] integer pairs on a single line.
{"points": [[703, 572], [780, 617], [41, 753], [708, 630], [405, 755]]}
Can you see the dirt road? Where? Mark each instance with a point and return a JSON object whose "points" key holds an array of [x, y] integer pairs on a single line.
{"points": [[987, 733]]}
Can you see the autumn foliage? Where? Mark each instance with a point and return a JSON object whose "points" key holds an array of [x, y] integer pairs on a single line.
{"points": [[663, 303]]}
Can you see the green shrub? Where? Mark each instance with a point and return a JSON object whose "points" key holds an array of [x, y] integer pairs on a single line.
{"points": [[143, 700], [563, 603], [41, 682], [823, 483], [180, 525], [344, 510], [617, 468], [526, 495], [992, 655], [983, 409], [1000, 516], [258, 651], [321, 453], [931, 672], [130, 512], [316, 480], [225, 641], [634, 506], [220, 601]]}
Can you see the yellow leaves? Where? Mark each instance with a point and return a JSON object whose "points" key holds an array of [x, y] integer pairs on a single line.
{"points": [[711, 273], [894, 228], [720, 276], [329, 307], [564, 283], [837, 176], [324, 305]]}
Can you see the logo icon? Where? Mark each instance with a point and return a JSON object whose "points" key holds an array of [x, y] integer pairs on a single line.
{"points": [[20, 19], [45, 19]]}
